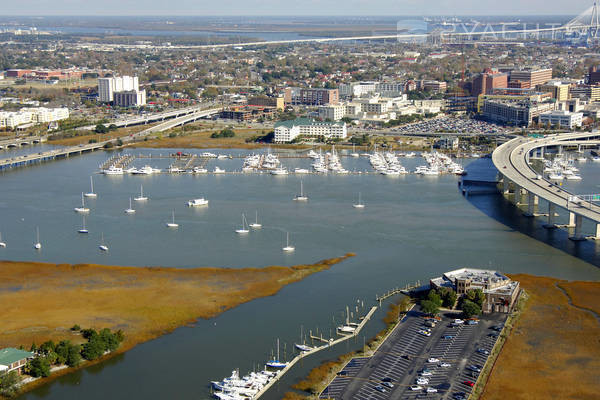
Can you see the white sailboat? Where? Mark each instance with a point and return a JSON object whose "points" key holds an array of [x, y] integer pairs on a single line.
{"points": [[244, 229], [83, 228], [103, 246], [256, 225], [301, 196], [354, 153], [2, 244], [275, 363], [37, 245], [172, 224], [83, 208], [141, 197], [130, 210], [302, 346], [359, 204], [91, 193], [287, 244]]}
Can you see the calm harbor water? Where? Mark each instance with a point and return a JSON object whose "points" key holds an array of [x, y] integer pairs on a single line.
{"points": [[412, 228]]}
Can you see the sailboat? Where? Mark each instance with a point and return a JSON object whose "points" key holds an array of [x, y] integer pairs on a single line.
{"points": [[83, 208], [141, 197], [256, 225], [275, 363], [102, 246], [359, 204], [303, 346], [172, 224], [354, 153], [287, 245], [130, 210], [301, 196], [244, 229], [37, 244], [2, 244], [348, 327], [91, 194], [83, 228]]}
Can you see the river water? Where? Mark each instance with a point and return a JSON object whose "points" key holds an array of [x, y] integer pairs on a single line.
{"points": [[412, 228]]}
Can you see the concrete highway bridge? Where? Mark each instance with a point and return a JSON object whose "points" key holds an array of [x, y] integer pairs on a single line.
{"points": [[519, 178], [21, 141]]}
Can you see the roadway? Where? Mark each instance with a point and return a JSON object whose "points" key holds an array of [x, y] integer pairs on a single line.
{"points": [[511, 159]]}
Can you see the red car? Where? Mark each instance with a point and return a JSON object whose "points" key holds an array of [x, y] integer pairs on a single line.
{"points": [[469, 383]]}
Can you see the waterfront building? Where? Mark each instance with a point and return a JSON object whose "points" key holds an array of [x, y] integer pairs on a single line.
{"points": [[332, 112], [13, 359], [31, 116], [563, 119], [500, 291], [518, 110], [287, 131]]}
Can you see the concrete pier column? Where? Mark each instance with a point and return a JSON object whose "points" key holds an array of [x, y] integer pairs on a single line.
{"points": [[571, 220], [551, 211], [597, 236], [536, 200], [505, 185], [530, 205], [517, 198], [578, 236]]}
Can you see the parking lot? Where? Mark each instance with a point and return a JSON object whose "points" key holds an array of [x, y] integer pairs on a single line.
{"points": [[417, 361]]}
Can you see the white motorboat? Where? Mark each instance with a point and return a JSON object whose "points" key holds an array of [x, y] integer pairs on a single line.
{"points": [[145, 170], [279, 171], [581, 159], [141, 197], [198, 170], [172, 224], [360, 203], [596, 159], [112, 170], [288, 247], [172, 169], [222, 156], [208, 155], [2, 244], [91, 193], [256, 225], [301, 196], [197, 202], [244, 229], [83, 228], [573, 177], [83, 209], [37, 245], [303, 347], [218, 170], [555, 177], [129, 210], [103, 246], [301, 171]]}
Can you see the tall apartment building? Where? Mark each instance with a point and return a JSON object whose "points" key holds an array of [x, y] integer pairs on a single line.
{"points": [[107, 87], [487, 81], [594, 75], [333, 112], [532, 76], [130, 98], [311, 96]]}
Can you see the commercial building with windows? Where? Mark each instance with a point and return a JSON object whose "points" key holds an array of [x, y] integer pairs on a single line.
{"points": [[39, 115], [107, 87], [311, 96], [130, 98], [487, 81], [333, 113], [266, 101], [519, 111], [287, 131], [563, 119], [500, 291], [13, 359], [589, 92], [531, 76]]}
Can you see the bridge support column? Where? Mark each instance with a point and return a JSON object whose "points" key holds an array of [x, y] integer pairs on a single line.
{"points": [[517, 199], [551, 211], [597, 236], [578, 236], [572, 219], [505, 185], [530, 205]]}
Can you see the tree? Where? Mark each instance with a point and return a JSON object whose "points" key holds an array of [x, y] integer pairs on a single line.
{"points": [[470, 309], [8, 383], [434, 297], [429, 307], [476, 296], [39, 367], [100, 128], [448, 296]]}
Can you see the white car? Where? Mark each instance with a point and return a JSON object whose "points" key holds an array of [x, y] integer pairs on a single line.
{"points": [[433, 360], [459, 321], [422, 381], [424, 332], [415, 388], [445, 365], [431, 390], [426, 373]]}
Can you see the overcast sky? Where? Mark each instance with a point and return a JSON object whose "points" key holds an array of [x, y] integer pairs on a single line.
{"points": [[302, 7]]}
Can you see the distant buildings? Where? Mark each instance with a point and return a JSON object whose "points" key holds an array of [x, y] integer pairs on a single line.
{"points": [[531, 77], [563, 119], [500, 291], [311, 96], [265, 101], [123, 91], [594, 75], [515, 110], [433, 86], [31, 116], [558, 89], [43, 74], [287, 131], [487, 81]]}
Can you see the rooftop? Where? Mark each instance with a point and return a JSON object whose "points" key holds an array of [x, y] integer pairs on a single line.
{"points": [[477, 276], [304, 121], [11, 355]]}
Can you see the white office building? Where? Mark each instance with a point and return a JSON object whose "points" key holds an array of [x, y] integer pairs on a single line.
{"points": [[107, 87], [332, 113], [40, 115], [130, 98], [564, 119], [287, 131]]}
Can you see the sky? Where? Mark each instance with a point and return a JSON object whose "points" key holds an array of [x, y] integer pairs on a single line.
{"points": [[289, 8]]}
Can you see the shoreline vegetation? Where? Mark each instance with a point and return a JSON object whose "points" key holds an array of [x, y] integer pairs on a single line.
{"points": [[142, 302], [549, 340]]}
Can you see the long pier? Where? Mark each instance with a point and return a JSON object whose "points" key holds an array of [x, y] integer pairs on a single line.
{"points": [[50, 155], [316, 350]]}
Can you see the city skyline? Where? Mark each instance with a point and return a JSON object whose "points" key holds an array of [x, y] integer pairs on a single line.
{"points": [[310, 8]]}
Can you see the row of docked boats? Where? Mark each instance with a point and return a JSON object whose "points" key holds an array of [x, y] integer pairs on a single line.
{"points": [[387, 164], [561, 168], [439, 163]]}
